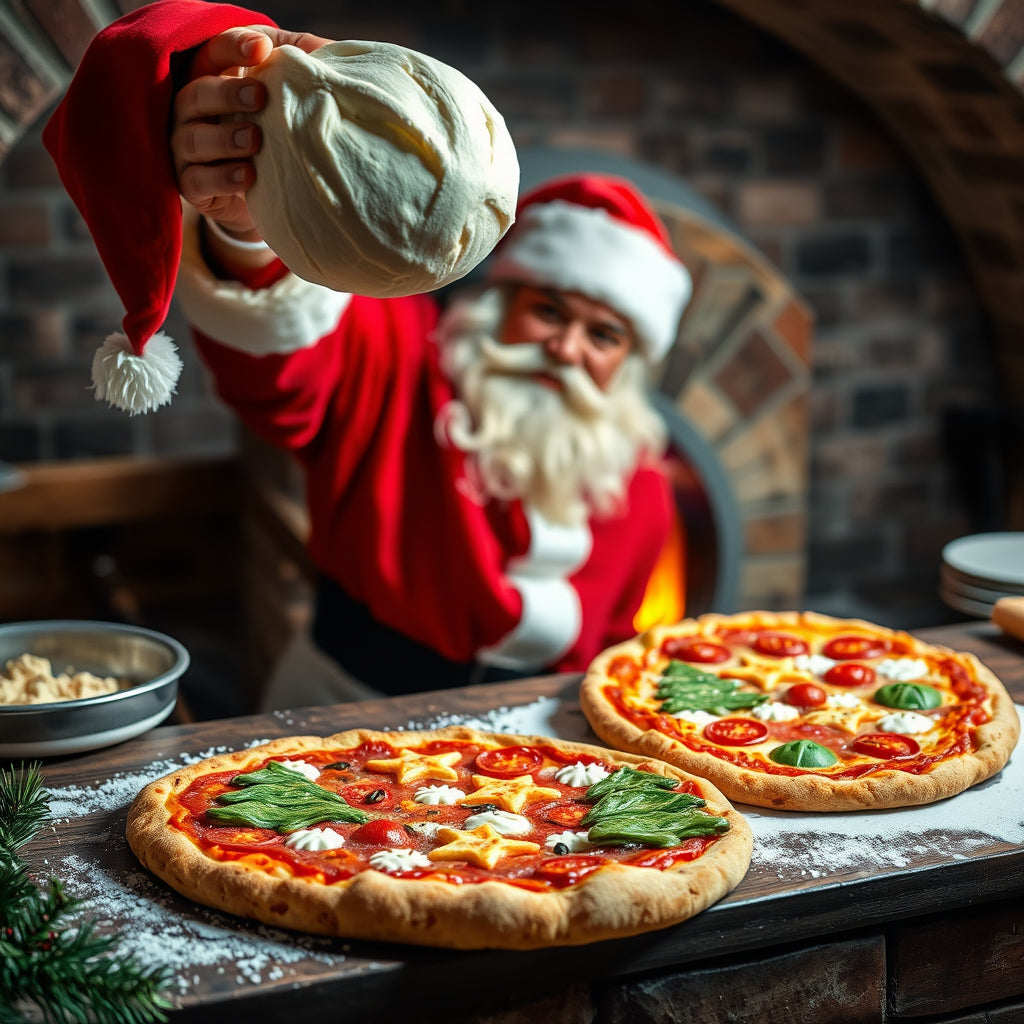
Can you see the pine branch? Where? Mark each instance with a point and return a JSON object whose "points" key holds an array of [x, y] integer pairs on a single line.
{"points": [[68, 971]]}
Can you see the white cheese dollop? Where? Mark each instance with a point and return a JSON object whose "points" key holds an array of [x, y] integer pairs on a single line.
{"points": [[580, 774], [904, 722], [398, 860], [448, 795], [775, 711], [504, 822], [575, 841], [303, 768], [902, 669], [315, 839], [816, 664], [698, 718], [843, 700]]}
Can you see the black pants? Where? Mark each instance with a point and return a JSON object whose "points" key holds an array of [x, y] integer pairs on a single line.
{"points": [[383, 658]]}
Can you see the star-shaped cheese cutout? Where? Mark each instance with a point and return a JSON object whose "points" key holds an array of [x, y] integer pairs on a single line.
{"points": [[412, 767], [765, 673], [512, 794], [484, 846]]}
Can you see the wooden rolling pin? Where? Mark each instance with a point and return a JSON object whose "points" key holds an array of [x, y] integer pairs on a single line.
{"points": [[1008, 615]]}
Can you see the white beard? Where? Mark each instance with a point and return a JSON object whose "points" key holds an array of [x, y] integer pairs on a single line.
{"points": [[566, 453]]}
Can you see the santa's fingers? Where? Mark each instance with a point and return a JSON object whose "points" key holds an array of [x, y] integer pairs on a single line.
{"points": [[248, 46], [213, 97], [200, 184], [199, 142]]}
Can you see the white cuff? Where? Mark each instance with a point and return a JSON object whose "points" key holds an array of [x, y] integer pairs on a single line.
{"points": [[289, 315], [236, 243]]}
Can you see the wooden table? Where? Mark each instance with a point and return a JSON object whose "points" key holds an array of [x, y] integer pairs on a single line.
{"points": [[869, 917]]}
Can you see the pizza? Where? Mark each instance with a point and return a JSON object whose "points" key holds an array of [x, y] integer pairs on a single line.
{"points": [[450, 837], [804, 712]]}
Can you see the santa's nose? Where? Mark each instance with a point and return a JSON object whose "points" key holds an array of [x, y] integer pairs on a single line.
{"points": [[566, 344]]}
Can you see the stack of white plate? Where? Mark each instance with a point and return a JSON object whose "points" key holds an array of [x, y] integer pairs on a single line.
{"points": [[978, 570]]}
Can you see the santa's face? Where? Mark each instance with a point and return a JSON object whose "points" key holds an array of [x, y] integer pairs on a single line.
{"points": [[536, 427], [572, 330]]}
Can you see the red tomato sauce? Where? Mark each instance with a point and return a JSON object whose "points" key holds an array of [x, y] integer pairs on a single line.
{"points": [[541, 871]]}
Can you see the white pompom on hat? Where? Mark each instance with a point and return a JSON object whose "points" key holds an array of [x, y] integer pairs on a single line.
{"points": [[597, 235], [108, 138]]}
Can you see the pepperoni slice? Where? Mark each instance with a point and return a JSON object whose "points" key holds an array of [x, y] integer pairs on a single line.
{"points": [[846, 648], [567, 814], [885, 745], [849, 673], [508, 762], [780, 645], [695, 649], [568, 870], [736, 732]]}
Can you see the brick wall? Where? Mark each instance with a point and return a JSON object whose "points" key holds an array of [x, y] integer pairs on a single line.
{"points": [[913, 299]]}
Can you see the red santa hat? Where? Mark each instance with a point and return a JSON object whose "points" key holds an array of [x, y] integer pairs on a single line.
{"points": [[597, 235], [109, 139]]}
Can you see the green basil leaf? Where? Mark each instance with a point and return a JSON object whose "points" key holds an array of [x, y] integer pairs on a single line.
{"points": [[685, 688], [803, 754], [654, 829], [281, 799], [908, 696]]}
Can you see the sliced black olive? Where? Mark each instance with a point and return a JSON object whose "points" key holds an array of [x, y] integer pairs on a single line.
{"points": [[375, 797]]}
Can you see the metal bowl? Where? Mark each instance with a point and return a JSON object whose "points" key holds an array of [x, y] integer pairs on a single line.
{"points": [[151, 661]]}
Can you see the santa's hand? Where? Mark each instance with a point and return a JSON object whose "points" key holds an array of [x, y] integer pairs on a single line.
{"points": [[212, 143]]}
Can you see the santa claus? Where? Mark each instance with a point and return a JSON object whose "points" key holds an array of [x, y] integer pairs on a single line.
{"points": [[484, 483]]}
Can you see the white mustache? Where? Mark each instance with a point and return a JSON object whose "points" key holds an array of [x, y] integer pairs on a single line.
{"points": [[582, 395]]}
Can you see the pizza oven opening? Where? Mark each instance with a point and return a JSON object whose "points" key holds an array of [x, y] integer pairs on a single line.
{"points": [[845, 183]]}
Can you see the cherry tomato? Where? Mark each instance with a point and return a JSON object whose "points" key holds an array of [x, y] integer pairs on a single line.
{"points": [[570, 869], [508, 762], [806, 695], [567, 814], [779, 645], [381, 832], [367, 794], [850, 674], [846, 648], [736, 732], [885, 745], [695, 649]]}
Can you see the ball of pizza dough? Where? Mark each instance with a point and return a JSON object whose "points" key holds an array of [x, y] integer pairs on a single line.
{"points": [[382, 171]]}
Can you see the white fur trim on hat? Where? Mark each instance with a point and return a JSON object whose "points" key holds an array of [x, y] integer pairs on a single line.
{"points": [[136, 383], [289, 315], [578, 248]]}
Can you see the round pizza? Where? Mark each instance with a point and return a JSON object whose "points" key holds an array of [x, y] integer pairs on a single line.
{"points": [[451, 837], [801, 711]]}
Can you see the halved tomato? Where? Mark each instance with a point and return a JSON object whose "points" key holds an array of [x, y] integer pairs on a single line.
{"points": [[381, 832], [695, 649], [846, 648], [779, 645], [735, 732], [570, 869], [885, 745], [508, 762], [850, 673]]}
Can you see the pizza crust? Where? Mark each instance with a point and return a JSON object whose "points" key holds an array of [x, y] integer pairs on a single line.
{"points": [[994, 740], [615, 901]]}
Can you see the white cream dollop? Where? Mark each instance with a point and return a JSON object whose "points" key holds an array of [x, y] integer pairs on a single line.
{"points": [[902, 669], [447, 795], [398, 860], [580, 774], [698, 718], [315, 839], [816, 664], [574, 841], [904, 722], [843, 700], [775, 711], [504, 822], [310, 771], [382, 171]]}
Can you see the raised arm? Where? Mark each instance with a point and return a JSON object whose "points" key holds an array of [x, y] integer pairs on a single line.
{"points": [[212, 142]]}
